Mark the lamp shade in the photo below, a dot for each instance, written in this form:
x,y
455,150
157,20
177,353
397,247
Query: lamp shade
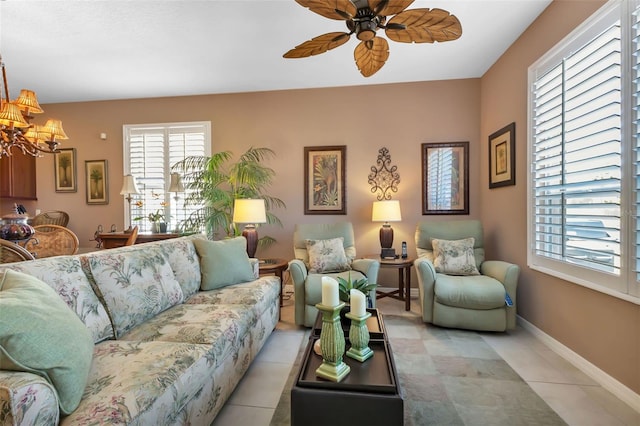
x,y
10,115
129,185
176,183
53,130
386,211
28,102
247,210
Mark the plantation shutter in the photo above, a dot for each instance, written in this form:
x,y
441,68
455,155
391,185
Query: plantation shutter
x,y
576,158
635,203
150,151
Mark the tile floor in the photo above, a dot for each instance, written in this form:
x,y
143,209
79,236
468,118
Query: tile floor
x,y
573,395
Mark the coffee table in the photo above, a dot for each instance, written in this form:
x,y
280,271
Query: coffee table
x,y
370,394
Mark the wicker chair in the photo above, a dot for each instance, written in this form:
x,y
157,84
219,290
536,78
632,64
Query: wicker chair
x,y
52,240
11,252
53,217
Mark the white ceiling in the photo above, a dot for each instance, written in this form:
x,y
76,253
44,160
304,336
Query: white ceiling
x,y
80,50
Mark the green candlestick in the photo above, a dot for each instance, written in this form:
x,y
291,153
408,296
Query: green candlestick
x,y
332,344
359,337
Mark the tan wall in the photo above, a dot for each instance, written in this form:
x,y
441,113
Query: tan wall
x,y
400,117
603,329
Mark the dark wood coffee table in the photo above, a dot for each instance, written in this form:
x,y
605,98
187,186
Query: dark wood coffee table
x,y
370,394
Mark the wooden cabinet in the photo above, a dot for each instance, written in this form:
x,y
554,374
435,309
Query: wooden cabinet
x,y
18,176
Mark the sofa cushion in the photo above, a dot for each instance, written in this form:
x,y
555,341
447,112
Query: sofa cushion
x,y
327,256
259,293
142,383
223,262
184,262
65,275
40,334
135,284
454,257
470,292
221,327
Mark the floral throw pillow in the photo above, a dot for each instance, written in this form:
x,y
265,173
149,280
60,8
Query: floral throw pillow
x,y
327,256
454,257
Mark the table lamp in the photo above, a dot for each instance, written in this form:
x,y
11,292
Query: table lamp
x,y
386,211
129,188
250,211
176,186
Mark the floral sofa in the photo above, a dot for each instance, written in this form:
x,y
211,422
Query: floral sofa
x,y
161,350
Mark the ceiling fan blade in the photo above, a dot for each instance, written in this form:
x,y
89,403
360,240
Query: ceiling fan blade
x,y
388,7
332,9
318,45
371,55
424,26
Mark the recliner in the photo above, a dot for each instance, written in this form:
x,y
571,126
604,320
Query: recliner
x,y
308,286
475,302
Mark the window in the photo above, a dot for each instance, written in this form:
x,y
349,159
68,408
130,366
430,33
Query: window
x,y
149,152
583,150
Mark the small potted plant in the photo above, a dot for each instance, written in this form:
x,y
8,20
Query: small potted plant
x,y
345,286
157,218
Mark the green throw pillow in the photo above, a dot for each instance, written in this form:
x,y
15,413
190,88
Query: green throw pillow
x,y
224,262
41,335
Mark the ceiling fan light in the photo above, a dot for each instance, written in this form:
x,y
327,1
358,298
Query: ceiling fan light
x,y
366,34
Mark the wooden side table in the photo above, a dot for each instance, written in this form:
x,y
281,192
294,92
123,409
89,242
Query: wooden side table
x,y
404,278
276,267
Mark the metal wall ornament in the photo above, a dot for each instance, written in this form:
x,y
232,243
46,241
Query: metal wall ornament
x,y
384,178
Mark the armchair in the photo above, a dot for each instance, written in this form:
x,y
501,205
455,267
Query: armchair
x,y
475,302
307,286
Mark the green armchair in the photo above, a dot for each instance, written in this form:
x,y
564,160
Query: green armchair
x,y
475,302
307,286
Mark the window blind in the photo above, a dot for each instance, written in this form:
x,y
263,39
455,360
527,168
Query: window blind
x,y
150,152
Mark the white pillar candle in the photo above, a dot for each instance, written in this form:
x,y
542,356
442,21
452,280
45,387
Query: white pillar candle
x,y
330,292
358,303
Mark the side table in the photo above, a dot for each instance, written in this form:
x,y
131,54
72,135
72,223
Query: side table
x,y
276,267
404,278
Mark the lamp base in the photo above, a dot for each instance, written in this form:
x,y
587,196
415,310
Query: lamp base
x,y
386,236
251,235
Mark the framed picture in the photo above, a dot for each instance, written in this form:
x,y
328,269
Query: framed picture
x,y
64,167
97,183
445,178
502,157
324,180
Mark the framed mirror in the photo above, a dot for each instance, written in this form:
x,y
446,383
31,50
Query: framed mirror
x,y
445,178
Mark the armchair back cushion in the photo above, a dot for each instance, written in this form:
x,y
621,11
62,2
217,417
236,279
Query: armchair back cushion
x,y
323,231
449,230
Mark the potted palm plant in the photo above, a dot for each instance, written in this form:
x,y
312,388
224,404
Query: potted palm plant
x,y
213,183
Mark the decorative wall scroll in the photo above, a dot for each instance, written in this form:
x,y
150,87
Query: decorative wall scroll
x,y
324,180
384,178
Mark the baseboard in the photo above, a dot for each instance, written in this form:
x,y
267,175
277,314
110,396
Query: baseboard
x,y
621,391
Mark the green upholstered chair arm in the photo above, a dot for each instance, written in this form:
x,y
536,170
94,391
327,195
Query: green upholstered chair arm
x,y
370,268
507,273
298,272
426,274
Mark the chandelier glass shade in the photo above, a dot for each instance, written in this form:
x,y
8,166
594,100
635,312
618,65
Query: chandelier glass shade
x,y
16,130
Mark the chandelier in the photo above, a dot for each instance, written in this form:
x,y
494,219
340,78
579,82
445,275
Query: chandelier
x,y
15,128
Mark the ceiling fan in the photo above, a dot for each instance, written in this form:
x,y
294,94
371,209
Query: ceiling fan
x,y
365,17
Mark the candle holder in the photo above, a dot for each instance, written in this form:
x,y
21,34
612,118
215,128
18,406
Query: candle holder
x,y
359,337
332,344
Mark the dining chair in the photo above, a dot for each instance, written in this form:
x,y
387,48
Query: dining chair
x,y
11,252
52,217
52,240
132,238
